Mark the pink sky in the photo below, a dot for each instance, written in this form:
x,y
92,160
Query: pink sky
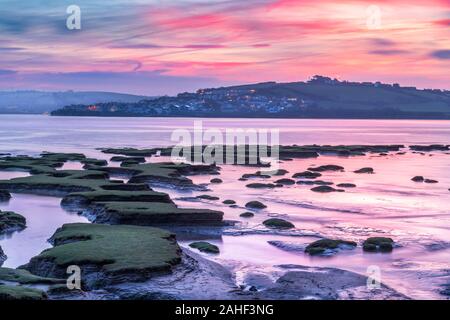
x,y
158,47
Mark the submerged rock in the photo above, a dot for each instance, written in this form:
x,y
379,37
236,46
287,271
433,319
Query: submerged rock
x,y
205,247
4,196
229,201
11,221
261,185
325,189
346,185
418,179
307,175
276,223
328,167
247,214
207,197
255,205
378,244
365,170
285,181
430,181
328,246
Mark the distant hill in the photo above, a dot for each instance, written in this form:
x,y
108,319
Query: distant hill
x,y
40,101
320,97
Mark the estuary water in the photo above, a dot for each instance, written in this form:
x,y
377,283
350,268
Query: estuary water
x,y
387,203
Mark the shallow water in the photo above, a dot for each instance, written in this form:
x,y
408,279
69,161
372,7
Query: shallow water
x,y
386,203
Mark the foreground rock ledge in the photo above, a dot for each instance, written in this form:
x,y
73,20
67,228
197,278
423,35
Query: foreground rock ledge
x,y
108,254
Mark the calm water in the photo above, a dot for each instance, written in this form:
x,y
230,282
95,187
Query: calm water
x,y
387,203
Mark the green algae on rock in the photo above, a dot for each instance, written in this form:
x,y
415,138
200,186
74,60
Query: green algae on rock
x,y
22,276
11,221
378,244
153,213
21,293
108,254
255,205
205,247
328,246
276,223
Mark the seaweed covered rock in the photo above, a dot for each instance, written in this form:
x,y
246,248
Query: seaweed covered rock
x,y
152,213
307,175
328,167
247,214
107,254
285,181
429,148
216,180
430,181
276,223
207,197
325,189
378,244
21,276
84,199
418,179
346,185
255,205
258,185
21,293
328,246
229,201
4,196
11,221
365,170
3,256
205,247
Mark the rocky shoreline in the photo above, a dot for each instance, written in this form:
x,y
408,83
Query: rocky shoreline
x,y
127,251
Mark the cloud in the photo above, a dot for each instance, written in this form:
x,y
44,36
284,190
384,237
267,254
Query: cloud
x,y
441,54
141,82
6,72
392,52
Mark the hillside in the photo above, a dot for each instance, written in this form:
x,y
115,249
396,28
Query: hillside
x,y
41,102
321,97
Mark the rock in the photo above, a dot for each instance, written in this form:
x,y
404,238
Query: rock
x,y
428,148
108,254
205,247
255,205
430,181
329,167
21,293
276,223
4,196
207,197
325,189
261,185
152,214
326,246
418,179
216,180
11,221
279,172
255,175
247,214
346,185
285,181
228,201
307,175
20,276
378,244
3,256
365,170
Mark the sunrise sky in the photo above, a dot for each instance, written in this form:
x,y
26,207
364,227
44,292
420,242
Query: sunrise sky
x,y
165,47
